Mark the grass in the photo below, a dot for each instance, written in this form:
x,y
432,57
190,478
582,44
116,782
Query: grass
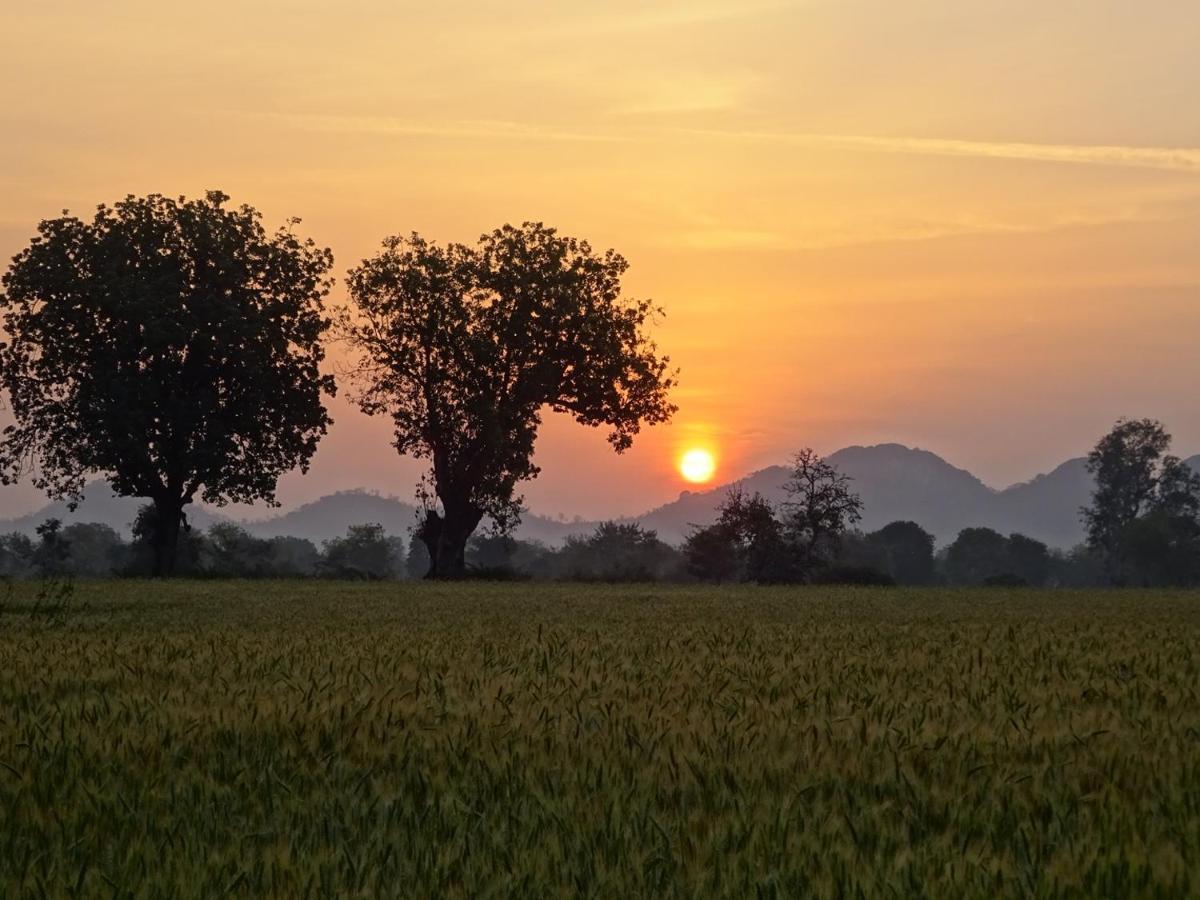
x,y
322,739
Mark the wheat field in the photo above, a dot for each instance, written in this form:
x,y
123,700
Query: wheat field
x,y
308,739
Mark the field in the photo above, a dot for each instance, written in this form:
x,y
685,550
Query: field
x,y
324,739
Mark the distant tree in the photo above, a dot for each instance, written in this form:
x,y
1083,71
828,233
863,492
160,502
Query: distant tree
x,y
1137,477
292,557
714,554
466,347
503,556
618,552
173,347
819,507
416,563
232,552
93,550
1028,559
50,557
16,555
366,552
1162,549
746,543
977,555
907,552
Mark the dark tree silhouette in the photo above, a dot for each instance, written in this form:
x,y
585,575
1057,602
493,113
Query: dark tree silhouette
x,y
820,506
746,543
907,551
978,555
1136,477
173,347
465,347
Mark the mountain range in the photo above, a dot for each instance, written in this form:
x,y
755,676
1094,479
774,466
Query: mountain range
x,y
894,481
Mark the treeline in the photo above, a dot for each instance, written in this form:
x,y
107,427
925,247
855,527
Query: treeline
x,y
901,553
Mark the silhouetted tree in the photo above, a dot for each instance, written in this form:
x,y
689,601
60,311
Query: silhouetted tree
x,y
232,552
976,556
906,552
171,346
1028,559
465,347
819,506
746,543
16,555
366,552
616,552
1135,477
50,557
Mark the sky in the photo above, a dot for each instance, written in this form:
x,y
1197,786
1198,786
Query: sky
x,y
969,227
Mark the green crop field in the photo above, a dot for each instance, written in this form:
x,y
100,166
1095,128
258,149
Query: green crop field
x,y
357,740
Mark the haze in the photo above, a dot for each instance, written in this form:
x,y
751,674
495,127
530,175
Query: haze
x,y
971,227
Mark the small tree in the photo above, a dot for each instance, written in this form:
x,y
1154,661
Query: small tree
x,y
820,506
173,347
1136,477
466,347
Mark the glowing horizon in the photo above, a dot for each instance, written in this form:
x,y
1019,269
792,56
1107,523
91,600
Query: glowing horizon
x,y
970,229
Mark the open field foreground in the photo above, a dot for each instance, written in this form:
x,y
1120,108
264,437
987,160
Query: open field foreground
x,y
325,739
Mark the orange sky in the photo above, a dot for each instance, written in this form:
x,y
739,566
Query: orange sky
x,y
971,227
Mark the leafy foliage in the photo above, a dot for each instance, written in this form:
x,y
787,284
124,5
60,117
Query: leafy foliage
x,y
464,347
1146,506
172,346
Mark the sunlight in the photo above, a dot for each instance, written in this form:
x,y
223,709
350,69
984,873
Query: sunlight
x,y
697,465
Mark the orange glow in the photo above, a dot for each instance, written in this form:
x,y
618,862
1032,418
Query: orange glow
x,y
936,223
697,466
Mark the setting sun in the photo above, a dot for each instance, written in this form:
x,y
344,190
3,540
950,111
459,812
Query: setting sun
x,y
697,466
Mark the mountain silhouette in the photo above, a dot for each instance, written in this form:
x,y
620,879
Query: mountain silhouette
x,y
894,481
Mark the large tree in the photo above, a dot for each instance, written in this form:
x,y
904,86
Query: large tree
x,y
1137,477
170,346
466,347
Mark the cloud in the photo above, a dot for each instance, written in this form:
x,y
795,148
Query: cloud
x,y
471,130
1175,159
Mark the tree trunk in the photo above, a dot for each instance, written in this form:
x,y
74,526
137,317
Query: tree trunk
x,y
446,536
168,513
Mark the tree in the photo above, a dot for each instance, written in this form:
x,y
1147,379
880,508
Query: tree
x,y
746,543
1029,559
977,556
906,550
820,506
366,552
172,346
618,552
1136,477
466,347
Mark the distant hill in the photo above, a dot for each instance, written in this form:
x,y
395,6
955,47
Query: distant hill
x,y
898,482
895,482
99,505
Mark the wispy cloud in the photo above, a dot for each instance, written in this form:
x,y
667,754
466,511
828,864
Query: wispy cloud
x,y
471,130
1175,159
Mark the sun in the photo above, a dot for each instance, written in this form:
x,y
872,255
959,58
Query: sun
x,y
697,465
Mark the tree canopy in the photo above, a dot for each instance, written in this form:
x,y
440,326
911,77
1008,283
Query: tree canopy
x,y
465,347
171,346
1146,503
